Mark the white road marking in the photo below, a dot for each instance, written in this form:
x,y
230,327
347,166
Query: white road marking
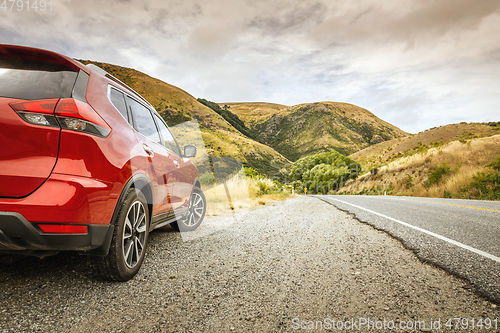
x,y
446,239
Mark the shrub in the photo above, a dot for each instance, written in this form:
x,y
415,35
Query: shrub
x,y
485,186
462,140
252,173
409,182
495,164
324,172
268,186
436,175
263,188
437,144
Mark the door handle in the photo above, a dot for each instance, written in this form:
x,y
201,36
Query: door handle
x,y
148,150
176,164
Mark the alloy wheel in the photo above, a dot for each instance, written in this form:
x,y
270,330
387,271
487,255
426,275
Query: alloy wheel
x,y
134,234
196,210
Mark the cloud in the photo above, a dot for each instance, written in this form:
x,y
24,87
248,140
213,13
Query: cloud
x,y
402,21
415,63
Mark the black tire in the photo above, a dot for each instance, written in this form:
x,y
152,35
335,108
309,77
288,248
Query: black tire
x,y
129,242
196,212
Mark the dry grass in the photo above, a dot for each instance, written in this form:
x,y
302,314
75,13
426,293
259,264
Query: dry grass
x,y
253,112
408,175
384,152
244,194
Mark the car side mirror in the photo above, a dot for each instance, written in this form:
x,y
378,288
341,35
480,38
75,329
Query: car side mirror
x,y
190,151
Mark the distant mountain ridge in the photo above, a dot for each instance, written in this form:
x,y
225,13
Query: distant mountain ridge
x,y
313,128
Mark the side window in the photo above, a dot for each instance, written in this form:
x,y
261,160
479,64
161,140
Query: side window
x,y
168,139
118,100
143,120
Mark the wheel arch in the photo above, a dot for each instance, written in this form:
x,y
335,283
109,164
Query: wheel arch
x,y
141,183
197,182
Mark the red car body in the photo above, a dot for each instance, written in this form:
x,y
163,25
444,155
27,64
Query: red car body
x,y
69,158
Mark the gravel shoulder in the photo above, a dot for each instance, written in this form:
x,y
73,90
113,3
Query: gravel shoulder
x,y
301,258
455,220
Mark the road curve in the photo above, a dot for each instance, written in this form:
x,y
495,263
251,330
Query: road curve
x,y
461,236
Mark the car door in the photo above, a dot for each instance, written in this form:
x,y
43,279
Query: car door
x,y
162,174
184,174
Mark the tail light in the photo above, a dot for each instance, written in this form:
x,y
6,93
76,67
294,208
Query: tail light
x,y
40,112
66,113
78,116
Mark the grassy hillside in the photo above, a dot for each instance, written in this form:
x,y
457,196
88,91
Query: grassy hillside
x,y
457,169
177,106
385,152
256,113
313,128
230,117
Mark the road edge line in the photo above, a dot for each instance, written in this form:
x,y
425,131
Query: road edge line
x,y
443,238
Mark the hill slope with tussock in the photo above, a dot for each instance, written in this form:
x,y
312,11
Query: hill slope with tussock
x,y
458,169
384,152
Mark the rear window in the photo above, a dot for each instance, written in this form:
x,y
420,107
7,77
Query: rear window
x,y
33,79
118,100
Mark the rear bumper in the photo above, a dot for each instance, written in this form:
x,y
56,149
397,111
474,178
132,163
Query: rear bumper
x,y
18,235
67,199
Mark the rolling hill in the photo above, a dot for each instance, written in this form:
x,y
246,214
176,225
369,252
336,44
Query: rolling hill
x,y
312,128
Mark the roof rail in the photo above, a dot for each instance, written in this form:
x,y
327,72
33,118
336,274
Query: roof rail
x,y
111,77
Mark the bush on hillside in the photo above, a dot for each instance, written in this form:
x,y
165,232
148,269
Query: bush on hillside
x,y
252,173
323,173
436,175
495,164
485,185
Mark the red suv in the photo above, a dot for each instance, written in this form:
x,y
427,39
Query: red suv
x,y
86,164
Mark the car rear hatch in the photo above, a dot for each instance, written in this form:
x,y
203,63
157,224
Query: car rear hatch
x,y
32,82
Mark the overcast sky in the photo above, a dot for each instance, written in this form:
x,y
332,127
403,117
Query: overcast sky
x,y
414,63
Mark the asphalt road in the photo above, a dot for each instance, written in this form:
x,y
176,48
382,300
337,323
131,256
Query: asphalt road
x,y
461,236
